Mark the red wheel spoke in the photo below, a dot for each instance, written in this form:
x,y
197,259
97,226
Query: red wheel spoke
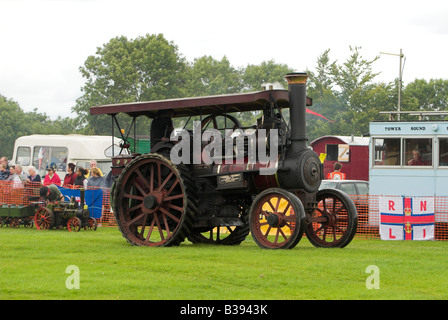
x,y
158,227
151,180
267,232
159,173
172,206
151,227
179,196
139,206
271,205
172,187
142,179
137,218
132,196
165,181
137,185
166,212
167,227
286,209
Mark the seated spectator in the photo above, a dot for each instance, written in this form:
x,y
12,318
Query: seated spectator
x,y
70,176
21,176
18,179
95,179
4,172
51,177
5,161
80,180
33,175
93,164
12,172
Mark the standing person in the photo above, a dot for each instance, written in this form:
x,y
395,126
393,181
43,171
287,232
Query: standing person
x,y
33,175
51,177
336,174
80,180
69,178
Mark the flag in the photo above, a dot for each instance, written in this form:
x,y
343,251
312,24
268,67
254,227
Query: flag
x,y
317,114
407,218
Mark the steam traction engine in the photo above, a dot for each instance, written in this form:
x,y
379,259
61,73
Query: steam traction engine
x,y
159,203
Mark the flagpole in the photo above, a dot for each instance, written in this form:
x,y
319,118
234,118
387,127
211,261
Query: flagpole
x,y
400,78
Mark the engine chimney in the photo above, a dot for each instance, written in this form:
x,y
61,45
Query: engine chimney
x,y
297,110
301,168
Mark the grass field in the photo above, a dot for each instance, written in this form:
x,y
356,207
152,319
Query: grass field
x,y
33,266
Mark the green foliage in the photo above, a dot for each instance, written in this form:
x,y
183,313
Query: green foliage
x,y
142,69
267,72
207,76
14,123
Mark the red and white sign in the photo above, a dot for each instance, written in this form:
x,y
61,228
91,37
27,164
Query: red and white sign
x,y
406,218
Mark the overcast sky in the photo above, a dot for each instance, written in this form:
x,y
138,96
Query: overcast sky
x,y
44,42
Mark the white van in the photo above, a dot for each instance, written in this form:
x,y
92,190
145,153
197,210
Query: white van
x,y
42,151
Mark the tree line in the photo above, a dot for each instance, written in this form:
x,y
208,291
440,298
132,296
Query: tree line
x,y
152,68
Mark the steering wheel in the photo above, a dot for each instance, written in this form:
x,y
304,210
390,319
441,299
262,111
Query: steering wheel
x,y
220,121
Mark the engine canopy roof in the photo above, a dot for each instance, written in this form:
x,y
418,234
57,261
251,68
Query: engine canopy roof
x,y
196,106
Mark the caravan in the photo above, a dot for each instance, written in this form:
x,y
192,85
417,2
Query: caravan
x,y
42,151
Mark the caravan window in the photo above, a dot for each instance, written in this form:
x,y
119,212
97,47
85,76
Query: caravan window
x,y
23,156
44,156
337,152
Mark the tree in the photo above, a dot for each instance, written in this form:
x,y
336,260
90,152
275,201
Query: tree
x,y
267,72
346,94
353,75
12,125
207,76
144,69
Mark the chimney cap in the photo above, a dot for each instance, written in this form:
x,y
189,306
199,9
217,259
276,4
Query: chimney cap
x,y
296,77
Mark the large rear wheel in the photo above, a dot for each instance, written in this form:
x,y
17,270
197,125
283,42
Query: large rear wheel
x,y
154,201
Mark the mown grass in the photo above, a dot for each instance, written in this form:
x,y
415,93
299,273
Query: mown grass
x,y
33,265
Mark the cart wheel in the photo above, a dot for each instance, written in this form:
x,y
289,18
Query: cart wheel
x,y
44,219
92,224
15,223
154,201
28,223
74,224
272,222
334,222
